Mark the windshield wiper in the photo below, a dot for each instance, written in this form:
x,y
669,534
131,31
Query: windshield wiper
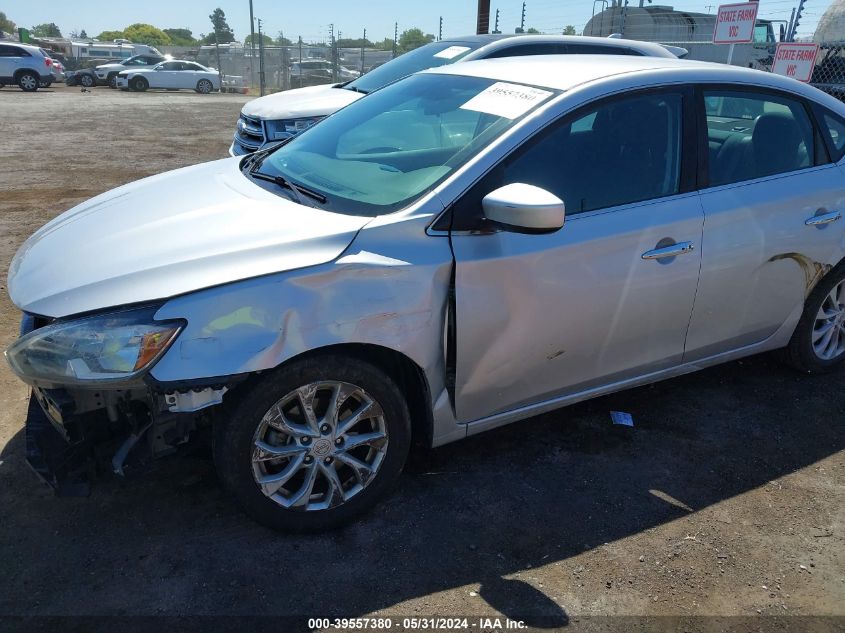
x,y
356,89
284,183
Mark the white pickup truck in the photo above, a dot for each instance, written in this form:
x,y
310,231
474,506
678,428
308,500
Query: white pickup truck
x,y
273,118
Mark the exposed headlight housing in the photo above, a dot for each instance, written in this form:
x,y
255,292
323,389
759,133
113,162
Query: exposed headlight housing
x,y
282,129
96,349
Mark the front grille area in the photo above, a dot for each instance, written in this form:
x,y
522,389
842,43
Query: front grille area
x,y
249,135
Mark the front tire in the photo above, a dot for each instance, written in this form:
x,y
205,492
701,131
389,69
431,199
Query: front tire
x,y
113,81
818,343
204,86
87,80
28,81
314,444
139,84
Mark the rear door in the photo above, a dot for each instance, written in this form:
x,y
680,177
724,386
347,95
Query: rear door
x,y
773,209
606,298
165,76
6,63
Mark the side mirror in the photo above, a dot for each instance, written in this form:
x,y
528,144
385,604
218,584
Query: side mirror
x,y
524,208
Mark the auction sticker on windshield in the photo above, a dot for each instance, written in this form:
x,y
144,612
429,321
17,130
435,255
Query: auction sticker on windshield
x,y
451,52
506,100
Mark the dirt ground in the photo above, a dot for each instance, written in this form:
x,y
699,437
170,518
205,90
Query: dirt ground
x,y
727,498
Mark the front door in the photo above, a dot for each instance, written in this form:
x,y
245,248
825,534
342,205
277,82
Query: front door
x,y
605,298
772,212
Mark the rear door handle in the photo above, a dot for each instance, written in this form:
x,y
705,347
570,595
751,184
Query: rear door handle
x,y
673,250
824,218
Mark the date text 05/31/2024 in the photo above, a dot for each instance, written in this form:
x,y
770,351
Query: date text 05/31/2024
x,y
481,624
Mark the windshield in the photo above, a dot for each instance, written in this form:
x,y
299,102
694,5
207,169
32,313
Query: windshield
x,y
428,56
381,153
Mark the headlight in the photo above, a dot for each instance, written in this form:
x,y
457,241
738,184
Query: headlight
x,y
279,130
106,347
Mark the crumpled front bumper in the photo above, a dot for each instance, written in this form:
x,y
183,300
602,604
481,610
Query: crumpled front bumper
x,y
59,457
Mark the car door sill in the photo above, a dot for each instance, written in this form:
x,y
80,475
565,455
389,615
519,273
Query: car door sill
x,y
775,341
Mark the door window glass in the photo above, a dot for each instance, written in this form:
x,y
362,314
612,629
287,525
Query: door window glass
x,y
753,135
620,152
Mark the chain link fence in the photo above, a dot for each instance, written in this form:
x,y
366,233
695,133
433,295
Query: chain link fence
x,y
285,67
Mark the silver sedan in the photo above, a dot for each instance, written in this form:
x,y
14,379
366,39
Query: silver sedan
x,y
465,248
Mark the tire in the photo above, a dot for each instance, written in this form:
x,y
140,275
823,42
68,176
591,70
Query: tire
x,y
113,81
139,84
321,506
807,351
28,81
45,83
204,86
87,80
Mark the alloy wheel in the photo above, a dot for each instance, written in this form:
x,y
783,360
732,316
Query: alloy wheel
x,y
28,82
319,446
829,326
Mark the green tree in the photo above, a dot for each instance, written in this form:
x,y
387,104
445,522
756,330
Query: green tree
x,y
386,44
266,39
532,31
109,36
281,40
357,43
83,35
147,34
6,25
180,37
413,38
569,30
46,30
222,33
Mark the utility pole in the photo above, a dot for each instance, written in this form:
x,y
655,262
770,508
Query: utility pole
x,y
300,62
482,25
395,38
624,18
261,83
794,30
521,28
363,46
440,31
496,30
333,43
252,45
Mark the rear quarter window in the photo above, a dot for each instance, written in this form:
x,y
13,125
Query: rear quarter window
x,y
833,130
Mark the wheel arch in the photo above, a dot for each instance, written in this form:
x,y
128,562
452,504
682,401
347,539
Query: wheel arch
x,y
408,375
21,71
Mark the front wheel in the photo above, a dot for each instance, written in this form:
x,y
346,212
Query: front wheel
x,y
28,81
204,86
87,80
139,84
818,343
113,81
314,444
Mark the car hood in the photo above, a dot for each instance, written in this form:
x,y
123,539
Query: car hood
x,y
167,235
111,67
301,102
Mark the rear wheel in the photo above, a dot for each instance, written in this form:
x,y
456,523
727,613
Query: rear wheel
x,y
204,86
113,80
314,444
87,80
139,84
28,81
818,343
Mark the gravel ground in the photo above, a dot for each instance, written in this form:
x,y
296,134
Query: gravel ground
x,y
727,498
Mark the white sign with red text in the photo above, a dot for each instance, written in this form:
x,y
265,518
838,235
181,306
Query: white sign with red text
x,y
735,23
796,60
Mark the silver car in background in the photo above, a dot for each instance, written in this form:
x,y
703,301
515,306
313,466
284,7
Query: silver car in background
x,y
465,248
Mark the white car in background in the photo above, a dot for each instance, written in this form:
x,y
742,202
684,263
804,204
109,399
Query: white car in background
x,y
107,73
171,75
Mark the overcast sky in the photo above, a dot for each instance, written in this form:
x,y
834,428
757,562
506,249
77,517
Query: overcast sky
x,y
349,16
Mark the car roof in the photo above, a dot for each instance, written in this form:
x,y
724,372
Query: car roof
x,y
564,72
508,41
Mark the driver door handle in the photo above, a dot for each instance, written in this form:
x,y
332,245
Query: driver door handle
x,y
824,218
673,250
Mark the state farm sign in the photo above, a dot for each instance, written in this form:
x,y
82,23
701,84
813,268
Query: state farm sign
x,y
796,60
735,23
